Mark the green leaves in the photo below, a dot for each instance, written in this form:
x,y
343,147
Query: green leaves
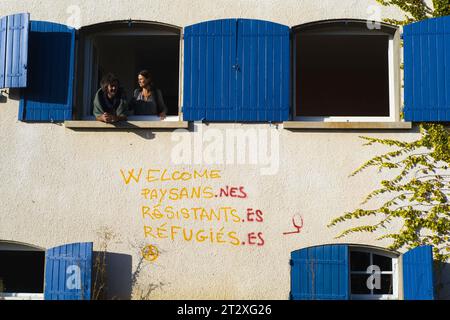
x,y
415,10
441,8
418,194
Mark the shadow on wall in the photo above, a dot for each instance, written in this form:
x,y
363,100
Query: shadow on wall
x,y
119,269
118,276
442,281
9,94
14,94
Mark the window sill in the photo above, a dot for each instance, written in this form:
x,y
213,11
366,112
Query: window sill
x,y
293,125
127,125
21,296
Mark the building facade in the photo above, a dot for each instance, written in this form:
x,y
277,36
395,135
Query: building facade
x,y
230,196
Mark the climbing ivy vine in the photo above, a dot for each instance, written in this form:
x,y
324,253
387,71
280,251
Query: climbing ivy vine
x,y
418,194
416,10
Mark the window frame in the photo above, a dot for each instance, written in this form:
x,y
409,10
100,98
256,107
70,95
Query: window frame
x,y
395,274
393,65
83,61
21,296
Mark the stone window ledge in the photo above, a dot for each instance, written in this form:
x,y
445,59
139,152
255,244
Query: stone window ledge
x,y
296,125
128,125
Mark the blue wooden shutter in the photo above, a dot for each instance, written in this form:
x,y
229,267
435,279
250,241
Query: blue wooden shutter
x,y
68,272
418,274
3,24
17,29
236,70
320,273
48,96
209,55
263,82
427,77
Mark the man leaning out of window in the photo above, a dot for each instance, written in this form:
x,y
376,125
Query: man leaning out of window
x,y
110,103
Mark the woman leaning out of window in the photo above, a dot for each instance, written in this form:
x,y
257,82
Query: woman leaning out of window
x,y
147,99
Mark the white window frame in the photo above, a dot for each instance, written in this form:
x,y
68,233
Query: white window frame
x,y
393,94
21,296
394,272
88,56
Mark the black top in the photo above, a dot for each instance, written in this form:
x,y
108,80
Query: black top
x,y
154,105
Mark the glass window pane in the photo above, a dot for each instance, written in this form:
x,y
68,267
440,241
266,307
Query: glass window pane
x,y
359,284
359,261
386,285
385,263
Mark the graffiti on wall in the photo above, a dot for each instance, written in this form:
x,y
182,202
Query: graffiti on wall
x,y
150,253
297,225
166,197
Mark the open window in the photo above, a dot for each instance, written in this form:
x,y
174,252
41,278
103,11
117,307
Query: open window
x,y
21,272
373,274
124,48
346,271
346,70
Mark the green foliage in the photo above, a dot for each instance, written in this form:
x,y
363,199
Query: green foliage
x,y
418,193
441,8
416,10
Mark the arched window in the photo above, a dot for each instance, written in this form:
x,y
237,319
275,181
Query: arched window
x,y
346,70
353,271
21,271
124,48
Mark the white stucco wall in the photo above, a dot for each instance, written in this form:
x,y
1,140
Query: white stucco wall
x,y
61,186
185,12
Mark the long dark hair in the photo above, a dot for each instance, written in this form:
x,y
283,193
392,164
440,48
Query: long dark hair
x,y
147,75
107,80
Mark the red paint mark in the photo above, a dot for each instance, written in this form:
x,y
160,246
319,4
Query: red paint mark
x,y
256,238
233,192
254,216
296,226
